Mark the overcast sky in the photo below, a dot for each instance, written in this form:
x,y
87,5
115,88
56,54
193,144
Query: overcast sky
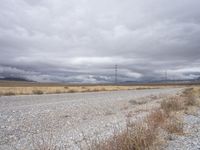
x,y
82,40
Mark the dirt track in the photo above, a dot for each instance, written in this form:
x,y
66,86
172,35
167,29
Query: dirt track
x,y
65,119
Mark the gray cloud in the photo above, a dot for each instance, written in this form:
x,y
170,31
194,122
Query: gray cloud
x,y
81,41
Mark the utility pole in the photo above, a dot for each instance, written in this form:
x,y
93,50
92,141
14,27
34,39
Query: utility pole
x,y
116,67
166,78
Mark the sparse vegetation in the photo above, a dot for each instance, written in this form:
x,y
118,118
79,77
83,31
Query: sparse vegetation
x,y
71,91
145,134
95,90
157,118
8,93
174,125
38,92
23,88
66,87
174,103
190,99
144,88
58,92
137,136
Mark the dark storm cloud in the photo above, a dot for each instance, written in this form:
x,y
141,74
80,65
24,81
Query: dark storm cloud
x,y
82,40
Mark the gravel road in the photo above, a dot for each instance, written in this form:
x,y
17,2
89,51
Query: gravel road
x,y
64,120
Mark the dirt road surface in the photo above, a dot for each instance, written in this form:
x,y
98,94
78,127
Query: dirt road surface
x,y
67,121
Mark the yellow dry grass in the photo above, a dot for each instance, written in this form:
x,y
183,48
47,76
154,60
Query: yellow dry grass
x,y
62,89
196,92
26,88
193,96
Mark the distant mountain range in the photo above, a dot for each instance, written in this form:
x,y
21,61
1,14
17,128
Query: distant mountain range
x,y
197,80
15,79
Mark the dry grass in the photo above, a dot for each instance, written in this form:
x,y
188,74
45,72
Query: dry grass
x,y
175,103
29,88
190,97
171,124
157,118
137,136
188,101
145,88
196,93
192,110
174,125
9,93
71,91
143,134
58,92
192,100
37,92
66,87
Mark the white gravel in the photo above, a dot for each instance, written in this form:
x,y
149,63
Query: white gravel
x,y
65,119
191,139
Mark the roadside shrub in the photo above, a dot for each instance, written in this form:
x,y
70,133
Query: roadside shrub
x,y
143,136
71,91
141,88
157,118
83,87
38,92
103,89
174,125
138,135
58,92
8,93
66,87
174,103
95,90
86,90
190,99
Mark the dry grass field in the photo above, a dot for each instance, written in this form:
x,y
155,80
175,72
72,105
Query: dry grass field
x,y
8,88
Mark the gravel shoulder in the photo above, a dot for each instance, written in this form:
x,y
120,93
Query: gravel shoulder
x,y
191,139
66,119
